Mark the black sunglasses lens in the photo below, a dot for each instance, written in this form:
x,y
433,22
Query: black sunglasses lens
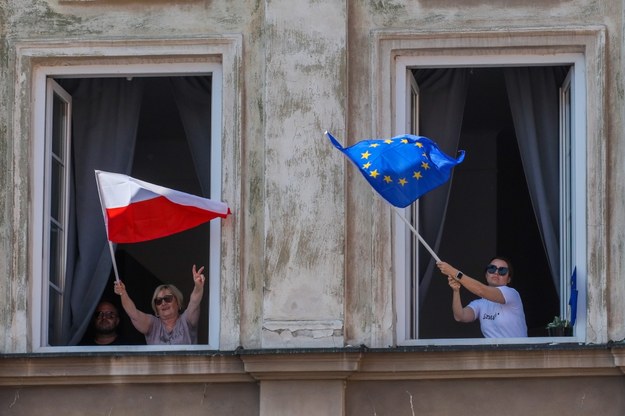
x,y
166,298
492,269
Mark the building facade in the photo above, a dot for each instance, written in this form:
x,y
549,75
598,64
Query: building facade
x,y
319,299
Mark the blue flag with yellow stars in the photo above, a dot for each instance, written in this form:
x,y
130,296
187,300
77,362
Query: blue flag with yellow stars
x,y
403,168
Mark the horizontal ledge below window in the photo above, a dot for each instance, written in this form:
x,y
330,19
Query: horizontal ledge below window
x,y
350,364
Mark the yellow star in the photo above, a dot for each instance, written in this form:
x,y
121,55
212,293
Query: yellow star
x,y
388,179
418,144
374,144
388,141
374,173
417,175
425,165
403,181
404,141
365,155
366,165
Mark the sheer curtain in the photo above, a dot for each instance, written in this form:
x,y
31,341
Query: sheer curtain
x,y
534,102
105,118
105,122
193,99
442,97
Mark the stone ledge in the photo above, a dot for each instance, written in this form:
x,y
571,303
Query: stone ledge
x,y
350,364
102,368
327,366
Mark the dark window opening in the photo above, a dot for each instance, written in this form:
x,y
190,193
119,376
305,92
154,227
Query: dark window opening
x,y
489,213
162,155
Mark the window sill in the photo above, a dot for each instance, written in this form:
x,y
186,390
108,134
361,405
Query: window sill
x,y
350,364
477,342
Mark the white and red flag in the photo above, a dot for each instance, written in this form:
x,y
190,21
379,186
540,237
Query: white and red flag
x,y
136,211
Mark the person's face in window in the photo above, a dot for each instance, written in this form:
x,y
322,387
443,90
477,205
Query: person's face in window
x,y
497,273
106,318
166,304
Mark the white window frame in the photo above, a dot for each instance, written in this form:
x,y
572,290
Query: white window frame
x,y
55,90
219,56
578,170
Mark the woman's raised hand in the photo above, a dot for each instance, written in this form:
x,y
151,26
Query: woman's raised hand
x,y
198,276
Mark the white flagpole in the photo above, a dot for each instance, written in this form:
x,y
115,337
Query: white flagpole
x,y
415,232
114,262
97,179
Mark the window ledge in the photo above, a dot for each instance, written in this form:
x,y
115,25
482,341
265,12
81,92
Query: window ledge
x,y
351,364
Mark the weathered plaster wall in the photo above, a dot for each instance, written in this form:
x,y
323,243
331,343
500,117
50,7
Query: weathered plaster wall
x,y
7,288
554,396
368,280
314,265
310,245
13,231
70,22
288,229
305,92
218,399
616,177
308,397
253,186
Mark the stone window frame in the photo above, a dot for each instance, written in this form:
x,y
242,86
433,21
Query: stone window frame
x,y
388,46
36,57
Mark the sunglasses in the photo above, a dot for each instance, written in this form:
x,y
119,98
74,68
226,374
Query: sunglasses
x,y
166,298
107,315
492,269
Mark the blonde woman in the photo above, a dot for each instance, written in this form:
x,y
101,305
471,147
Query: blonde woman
x,y
169,324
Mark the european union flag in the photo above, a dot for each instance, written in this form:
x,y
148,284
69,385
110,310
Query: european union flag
x,y
403,168
573,297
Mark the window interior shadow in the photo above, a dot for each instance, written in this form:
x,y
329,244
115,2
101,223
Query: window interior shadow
x,y
489,213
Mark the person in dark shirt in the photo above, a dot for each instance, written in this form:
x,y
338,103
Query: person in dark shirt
x,y
105,325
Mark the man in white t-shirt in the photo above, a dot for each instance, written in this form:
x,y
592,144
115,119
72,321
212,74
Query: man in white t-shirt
x,y
499,308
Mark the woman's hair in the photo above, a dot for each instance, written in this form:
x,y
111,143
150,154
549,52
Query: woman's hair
x,y
174,291
510,268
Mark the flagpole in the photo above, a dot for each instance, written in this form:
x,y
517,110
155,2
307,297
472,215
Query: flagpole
x,y
112,251
415,232
114,262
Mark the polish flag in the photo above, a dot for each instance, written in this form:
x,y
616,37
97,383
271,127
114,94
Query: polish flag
x,y
136,211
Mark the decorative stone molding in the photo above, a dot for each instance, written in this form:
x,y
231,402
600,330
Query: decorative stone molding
x,y
390,46
349,364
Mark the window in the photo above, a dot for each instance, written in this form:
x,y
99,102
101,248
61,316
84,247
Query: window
x,y
519,193
56,212
157,122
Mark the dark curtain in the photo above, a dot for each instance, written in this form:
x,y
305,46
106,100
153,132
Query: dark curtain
x,y
105,118
533,93
442,98
193,99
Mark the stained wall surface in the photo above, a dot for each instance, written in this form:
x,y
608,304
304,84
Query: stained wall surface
x,y
307,257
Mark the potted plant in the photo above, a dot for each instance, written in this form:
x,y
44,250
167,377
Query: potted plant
x,y
559,327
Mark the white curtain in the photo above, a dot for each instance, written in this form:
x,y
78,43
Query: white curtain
x,y
534,102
